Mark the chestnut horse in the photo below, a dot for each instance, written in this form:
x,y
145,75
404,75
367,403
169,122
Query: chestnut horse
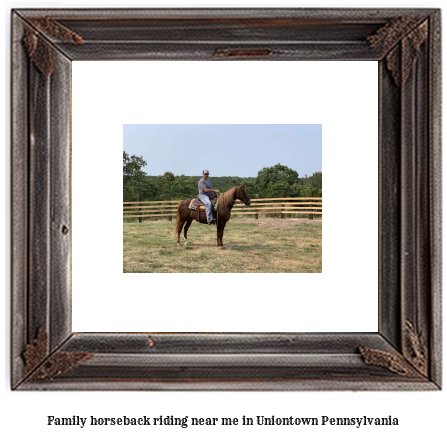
x,y
226,202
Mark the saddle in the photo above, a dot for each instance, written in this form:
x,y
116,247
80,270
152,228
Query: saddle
x,y
198,206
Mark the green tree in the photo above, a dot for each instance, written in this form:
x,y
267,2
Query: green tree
x,y
149,190
132,166
315,180
134,178
235,181
165,185
183,187
306,190
273,181
312,185
250,185
193,189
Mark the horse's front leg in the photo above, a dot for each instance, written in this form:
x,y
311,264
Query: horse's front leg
x,y
219,236
220,232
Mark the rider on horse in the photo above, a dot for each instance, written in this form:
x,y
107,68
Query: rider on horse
x,y
205,191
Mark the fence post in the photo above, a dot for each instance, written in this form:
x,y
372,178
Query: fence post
x,y
169,208
256,215
311,216
140,219
282,205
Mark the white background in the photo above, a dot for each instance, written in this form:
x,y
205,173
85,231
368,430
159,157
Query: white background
x,y
107,95
420,414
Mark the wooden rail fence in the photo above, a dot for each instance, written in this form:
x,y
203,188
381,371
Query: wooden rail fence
x,y
259,206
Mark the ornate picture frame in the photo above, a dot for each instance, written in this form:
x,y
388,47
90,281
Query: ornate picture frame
x,y
405,353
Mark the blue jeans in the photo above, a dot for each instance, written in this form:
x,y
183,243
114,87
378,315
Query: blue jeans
x,y
207,203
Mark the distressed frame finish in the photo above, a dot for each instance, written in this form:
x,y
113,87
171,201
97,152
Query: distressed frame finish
x,y
405,354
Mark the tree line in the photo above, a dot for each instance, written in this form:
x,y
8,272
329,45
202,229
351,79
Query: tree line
x,y
271,182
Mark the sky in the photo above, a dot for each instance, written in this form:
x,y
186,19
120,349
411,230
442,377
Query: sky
x,y
225,150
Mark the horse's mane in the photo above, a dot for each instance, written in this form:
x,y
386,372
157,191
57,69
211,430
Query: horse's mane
x,y
226,198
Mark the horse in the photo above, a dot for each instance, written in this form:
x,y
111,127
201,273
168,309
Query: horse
x,y
226,202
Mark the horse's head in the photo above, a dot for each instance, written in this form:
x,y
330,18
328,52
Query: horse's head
x,y
241,195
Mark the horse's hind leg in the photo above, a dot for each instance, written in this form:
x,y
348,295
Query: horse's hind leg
x,y
188,223
180,226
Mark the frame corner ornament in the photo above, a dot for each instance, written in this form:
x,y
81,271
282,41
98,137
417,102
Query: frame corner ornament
x,y
394,362
416,348
39,49
41,366
401,40
59,364
36,351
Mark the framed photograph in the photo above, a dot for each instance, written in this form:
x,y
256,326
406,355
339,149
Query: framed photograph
x,y
261,174
183,343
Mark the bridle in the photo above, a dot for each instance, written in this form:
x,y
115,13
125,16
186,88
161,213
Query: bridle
x,y
234,198
246,197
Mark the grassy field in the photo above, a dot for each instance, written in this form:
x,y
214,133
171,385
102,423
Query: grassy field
x,y
264,245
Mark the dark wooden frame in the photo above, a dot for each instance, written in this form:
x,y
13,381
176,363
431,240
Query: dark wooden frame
x,y
405,354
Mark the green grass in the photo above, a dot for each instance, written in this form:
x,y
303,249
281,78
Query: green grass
x,y
264,245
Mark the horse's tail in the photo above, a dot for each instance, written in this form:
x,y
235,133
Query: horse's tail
x,y
177,222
